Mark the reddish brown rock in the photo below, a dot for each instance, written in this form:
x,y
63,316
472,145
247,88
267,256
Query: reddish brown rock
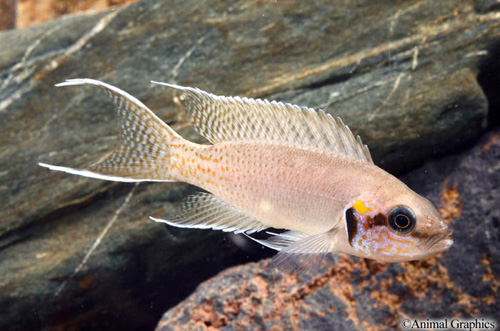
x,y
31,12
23,13
7,14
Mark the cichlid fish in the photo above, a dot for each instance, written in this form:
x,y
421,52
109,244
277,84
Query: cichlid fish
x,y
273,165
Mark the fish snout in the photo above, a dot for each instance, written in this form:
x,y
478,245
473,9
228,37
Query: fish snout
x,y
441,241
447,240
447,231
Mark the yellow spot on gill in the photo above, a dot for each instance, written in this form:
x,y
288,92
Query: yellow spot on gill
x,y
360,207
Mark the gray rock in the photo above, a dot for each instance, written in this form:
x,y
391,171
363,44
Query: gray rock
x,y
351,293
402,75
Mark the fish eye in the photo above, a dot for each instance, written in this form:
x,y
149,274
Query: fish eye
x,y
402,220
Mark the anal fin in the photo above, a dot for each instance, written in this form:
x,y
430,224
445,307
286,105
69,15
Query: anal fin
x,y
206,211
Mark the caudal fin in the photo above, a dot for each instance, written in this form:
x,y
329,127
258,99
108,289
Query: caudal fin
x,y
143,153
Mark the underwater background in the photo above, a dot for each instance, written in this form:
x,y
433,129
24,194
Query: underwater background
x,y
418,80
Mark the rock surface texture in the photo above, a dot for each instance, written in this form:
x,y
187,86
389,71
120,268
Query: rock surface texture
x,y
82,253
350,293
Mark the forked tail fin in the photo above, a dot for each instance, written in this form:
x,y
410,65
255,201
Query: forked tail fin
x,y
144,150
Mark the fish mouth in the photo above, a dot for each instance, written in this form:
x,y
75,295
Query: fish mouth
x,y
439,242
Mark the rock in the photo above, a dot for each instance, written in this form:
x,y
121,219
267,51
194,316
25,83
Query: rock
x,y
351,293
82,253
7,14
23,13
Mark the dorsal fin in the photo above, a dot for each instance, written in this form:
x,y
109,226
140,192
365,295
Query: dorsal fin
x,y
220,119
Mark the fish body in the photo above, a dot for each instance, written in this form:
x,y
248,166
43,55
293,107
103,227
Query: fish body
x,y
275,182
273,165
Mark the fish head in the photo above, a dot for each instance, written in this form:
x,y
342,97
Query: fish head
x,y
407,228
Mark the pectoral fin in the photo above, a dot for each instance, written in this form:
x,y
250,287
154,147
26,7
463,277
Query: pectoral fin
x,y
299,253
279,241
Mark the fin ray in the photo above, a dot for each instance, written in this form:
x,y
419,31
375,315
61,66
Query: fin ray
x,y
96,175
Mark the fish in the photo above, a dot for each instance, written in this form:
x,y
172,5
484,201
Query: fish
x,y
297,175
